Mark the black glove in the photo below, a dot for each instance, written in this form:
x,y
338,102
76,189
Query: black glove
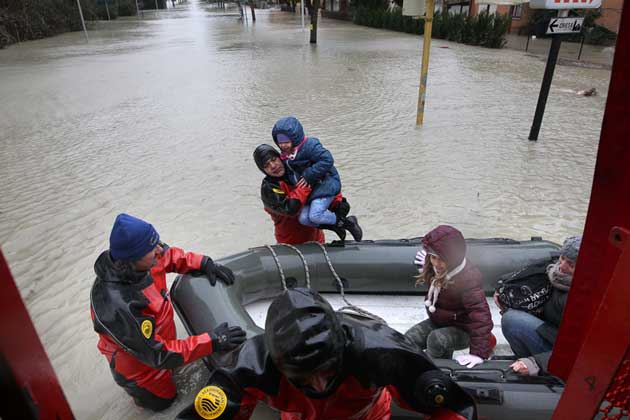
x,y
214,271
226,338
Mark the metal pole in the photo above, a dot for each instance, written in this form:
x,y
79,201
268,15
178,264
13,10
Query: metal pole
x,y
156,5
83,21
546,83
314,16
138,9
107,9
302,12
581,46
527,43
428,26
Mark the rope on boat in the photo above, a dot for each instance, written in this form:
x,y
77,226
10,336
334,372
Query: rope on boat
x,y
281,271
304,263
349,306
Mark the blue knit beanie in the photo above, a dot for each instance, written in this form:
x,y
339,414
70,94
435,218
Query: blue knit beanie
x,y
131,238
571,248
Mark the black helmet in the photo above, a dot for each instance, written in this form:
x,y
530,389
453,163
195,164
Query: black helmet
x,y
263,154
304,336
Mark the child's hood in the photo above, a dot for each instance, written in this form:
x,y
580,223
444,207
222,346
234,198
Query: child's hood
x,y
289,126
448,243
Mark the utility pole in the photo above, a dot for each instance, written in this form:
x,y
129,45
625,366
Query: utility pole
x,y
251,6
426,48
138,9
83,21
314,13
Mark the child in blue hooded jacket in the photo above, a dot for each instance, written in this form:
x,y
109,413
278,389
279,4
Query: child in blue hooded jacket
x,y
309,162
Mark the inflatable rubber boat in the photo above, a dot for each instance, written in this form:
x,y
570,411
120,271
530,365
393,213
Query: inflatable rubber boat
x,y
382,267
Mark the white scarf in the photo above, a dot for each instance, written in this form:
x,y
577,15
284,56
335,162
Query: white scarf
x,y
434,291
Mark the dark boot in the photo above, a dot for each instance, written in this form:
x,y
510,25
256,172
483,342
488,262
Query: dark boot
x,y
340,231
352,226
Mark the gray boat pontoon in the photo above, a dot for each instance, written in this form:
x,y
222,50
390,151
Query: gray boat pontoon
x,y
382,267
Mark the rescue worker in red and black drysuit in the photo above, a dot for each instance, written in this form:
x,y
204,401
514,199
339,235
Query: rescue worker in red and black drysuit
x,y
133,315
283,201
312,363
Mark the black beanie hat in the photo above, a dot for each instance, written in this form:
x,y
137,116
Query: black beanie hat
x,y
263,154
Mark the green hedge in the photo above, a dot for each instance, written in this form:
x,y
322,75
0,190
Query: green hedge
x,y
22,20
600,35
483,29
394,21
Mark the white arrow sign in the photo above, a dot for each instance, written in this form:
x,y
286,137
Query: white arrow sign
x,y
565,25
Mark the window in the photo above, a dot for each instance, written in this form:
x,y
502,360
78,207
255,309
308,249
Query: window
x,y
517,11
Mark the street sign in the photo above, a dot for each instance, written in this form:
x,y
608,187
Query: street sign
x,y
565,4
565,25
414,8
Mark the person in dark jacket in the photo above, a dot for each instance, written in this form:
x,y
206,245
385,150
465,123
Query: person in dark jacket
x,y
459,315
313,363
307,159
283,201
133,315
530,337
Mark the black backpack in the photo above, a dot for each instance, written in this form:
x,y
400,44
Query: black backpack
x,y
527,289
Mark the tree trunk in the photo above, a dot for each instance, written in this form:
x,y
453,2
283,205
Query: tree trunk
x,y
251,6
314,12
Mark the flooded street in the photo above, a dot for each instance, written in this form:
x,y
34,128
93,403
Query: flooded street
x,y
159,117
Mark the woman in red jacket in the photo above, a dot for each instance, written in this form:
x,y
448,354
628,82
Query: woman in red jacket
x,y
459,315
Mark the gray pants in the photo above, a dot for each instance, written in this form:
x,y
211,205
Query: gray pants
x,y
440,343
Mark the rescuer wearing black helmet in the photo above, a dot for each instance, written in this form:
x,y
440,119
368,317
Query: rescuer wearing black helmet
x,y
313,363
306,342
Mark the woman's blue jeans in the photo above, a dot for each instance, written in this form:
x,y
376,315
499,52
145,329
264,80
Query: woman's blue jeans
x,y
519,329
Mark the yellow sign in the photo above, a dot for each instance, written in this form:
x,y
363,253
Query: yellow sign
x,y
147,328
210,402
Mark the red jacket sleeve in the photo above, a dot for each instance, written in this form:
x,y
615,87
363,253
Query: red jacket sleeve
x,y
142,341
300,193
191,348
175,260
279,198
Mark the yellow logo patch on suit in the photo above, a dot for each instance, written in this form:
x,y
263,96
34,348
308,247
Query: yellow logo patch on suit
x,y
147,328
210,402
